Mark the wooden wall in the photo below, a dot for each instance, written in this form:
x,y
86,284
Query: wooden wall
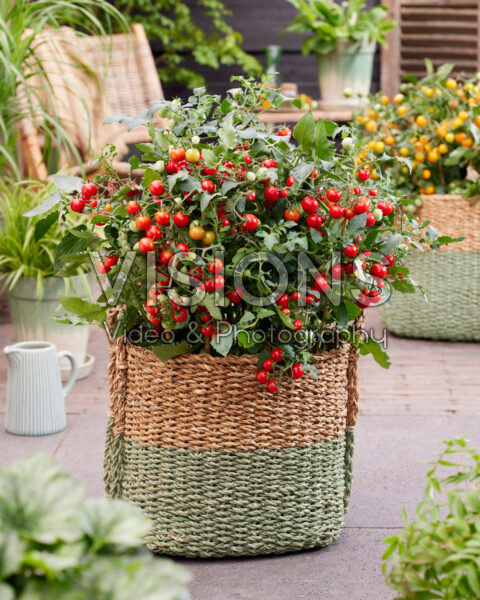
x,y
260,22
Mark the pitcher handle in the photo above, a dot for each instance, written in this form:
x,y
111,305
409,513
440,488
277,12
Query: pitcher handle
x,y
73,375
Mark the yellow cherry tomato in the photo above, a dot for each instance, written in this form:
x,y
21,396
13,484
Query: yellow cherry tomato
x,y
192,155
433,156
467,143
196,232
463,115
398,98
424,139
443,148
371,126
451,84
450,137
426,173
379,147
208,238
421,120
419,156
107,207
404,151
429,189
390,140
402,110
428,92
384,99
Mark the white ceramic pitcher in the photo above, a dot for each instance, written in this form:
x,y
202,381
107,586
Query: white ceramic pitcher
x,y
35,397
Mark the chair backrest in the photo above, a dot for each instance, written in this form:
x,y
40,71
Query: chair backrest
x,y
126,66
446,31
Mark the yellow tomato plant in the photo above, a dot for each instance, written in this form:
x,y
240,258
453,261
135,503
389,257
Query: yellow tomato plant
x,y
431,130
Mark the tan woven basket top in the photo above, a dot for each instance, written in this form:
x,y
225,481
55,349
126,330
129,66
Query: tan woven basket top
x,y
455,216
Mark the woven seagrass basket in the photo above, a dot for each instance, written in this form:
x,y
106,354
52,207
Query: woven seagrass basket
x,y
450,276
223,467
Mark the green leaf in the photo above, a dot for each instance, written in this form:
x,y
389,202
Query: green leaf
x,y
88,311
287,321
45,206
209,157
371,346
42,226
227,134
223,341
322,149
71,244
247,319
165,352
66,184
209,303
304,132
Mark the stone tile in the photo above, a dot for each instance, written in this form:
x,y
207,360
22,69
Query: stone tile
x,y
390,463
14,447
348,569
81,451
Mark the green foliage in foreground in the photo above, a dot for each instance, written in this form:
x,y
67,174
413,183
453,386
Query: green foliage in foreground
x,y
438,554
57,545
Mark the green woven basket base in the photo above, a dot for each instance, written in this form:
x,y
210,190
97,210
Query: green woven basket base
x,y
214,503
452,282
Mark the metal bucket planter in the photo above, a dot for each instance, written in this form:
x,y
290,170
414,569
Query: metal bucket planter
x,y
349,66
223,467
450,276
33,316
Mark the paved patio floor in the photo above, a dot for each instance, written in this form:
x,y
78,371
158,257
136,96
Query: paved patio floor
x,y
430,393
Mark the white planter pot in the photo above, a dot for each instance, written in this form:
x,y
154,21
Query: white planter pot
x,y
33,318
350,66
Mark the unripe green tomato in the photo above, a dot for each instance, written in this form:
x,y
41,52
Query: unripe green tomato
x,y
192,255
136,248
159,166
347,92
236,93
411,208
178,200
378,214
250,176
168,324
347,143
261,173
195,140
132,226
162,299
403,247
418,202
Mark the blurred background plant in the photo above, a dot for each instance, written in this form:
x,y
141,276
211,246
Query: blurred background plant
x,y
212,43
328,22
56,544
438,554
25,81
434,124
27,247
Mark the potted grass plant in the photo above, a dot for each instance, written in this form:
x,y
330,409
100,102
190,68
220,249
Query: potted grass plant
x,y
235,276
343,38
433,127
27,251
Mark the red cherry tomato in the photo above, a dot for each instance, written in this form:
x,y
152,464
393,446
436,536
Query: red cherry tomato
x,y
180,219
133,208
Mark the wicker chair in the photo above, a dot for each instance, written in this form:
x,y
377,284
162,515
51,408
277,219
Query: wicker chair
x,y
127,68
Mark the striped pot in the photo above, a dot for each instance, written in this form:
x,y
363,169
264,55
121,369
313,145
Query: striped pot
x,y
223,467
450,277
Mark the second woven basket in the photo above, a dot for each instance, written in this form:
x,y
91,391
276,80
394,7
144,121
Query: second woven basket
x,y
450,276
223,467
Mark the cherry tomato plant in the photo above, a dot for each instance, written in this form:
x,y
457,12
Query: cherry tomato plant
x,y
431,131
259,241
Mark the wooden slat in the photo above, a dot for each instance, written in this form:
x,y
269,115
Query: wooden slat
x,y
442,3
445,40
447,54
459,14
